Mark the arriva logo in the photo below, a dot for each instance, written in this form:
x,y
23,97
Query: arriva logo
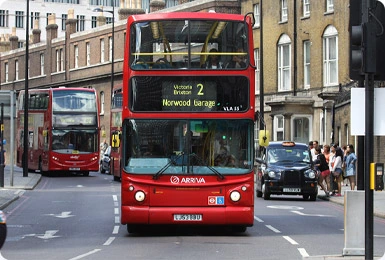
x,y
74,157
176,180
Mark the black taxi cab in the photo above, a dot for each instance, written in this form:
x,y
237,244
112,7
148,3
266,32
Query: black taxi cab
x,y
286,167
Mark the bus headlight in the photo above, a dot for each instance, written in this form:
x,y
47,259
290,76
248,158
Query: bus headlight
x,y
140,196
235,196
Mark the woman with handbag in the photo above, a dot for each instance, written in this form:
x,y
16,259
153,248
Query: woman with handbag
x,y
350,166
335,166
322,168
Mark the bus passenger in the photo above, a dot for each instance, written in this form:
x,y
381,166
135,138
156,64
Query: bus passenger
x,y
238,61
213,61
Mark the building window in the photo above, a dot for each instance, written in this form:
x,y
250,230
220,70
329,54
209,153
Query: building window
x,y
16,70
330,56
279,124
284,63
110,48
63,1
306,64
41,64
48,14
329,6
63,21
59,60
34,16
4,18
19,19
257,15
80,23
94,22
306,8
101,50
102,102
283,10
6,71
257,71
301,128
76,56
88,53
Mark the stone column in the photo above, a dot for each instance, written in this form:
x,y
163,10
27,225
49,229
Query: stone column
x,y
287,126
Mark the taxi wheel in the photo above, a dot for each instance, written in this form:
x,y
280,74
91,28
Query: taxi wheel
x,y
313,197
3,234
266,194
305,196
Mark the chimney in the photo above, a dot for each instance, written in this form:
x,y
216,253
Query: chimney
x,y
36,32
51,28
14,39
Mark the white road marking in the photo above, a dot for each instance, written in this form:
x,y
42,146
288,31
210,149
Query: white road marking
x,y
310,215
109,241
86,254
291,241
49,234
273,229
284,207
117,220
258,219
116,211
303,252
115,198
116,230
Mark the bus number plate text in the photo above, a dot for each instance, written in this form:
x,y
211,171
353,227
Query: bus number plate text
x,y
187,217
74,169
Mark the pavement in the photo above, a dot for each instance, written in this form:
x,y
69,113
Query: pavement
x,y
15,185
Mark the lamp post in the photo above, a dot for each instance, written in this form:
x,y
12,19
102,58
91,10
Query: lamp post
x,y
112,44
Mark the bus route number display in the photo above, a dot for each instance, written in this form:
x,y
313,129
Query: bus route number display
x,y
189,96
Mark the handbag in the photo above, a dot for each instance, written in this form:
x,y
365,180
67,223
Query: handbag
x,y
337,172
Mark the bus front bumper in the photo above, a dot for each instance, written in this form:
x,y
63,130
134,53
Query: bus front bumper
x,y
188,215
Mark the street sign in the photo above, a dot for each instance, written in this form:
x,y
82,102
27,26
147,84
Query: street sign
x,y
5,98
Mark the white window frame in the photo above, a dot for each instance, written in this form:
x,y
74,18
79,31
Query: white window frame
x,y
6,69
16,70
110,48
306,64
310,130
41,63
279,127
88,53
329,6
257,71
330,56
306,8
102,50
284,11
284,63
102,100
76,56
257,15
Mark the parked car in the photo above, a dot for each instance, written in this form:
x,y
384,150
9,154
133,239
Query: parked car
x,y
3,228
286,168
105,161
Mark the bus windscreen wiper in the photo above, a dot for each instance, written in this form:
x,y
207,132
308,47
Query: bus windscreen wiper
x,y
161,171
220,175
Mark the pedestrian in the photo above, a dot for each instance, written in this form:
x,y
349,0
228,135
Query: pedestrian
x,y
326,153
103,147
312,150
335,166
321,166
350,166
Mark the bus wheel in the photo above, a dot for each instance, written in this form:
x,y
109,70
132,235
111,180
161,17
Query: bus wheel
x,y
86,173
132,228
116,178
259,193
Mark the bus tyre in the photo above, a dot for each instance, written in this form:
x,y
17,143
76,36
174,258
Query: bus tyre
x,y
259,193
132,228
239,229
86,173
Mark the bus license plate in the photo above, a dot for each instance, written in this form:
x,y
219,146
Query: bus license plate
x,y
74,169
291,189
187,217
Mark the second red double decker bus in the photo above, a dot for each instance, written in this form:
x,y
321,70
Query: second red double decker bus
x,y
188,120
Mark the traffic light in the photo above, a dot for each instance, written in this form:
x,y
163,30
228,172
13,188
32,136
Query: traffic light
x,y
356,40
366,41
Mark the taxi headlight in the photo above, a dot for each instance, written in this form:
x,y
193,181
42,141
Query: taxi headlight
x,y
140,196
235,196
310,174
273,174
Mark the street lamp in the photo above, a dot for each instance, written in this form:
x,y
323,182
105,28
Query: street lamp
x,y
112,43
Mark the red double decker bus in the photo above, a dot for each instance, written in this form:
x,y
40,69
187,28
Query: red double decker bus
x,y
63,130
116,131
188,120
